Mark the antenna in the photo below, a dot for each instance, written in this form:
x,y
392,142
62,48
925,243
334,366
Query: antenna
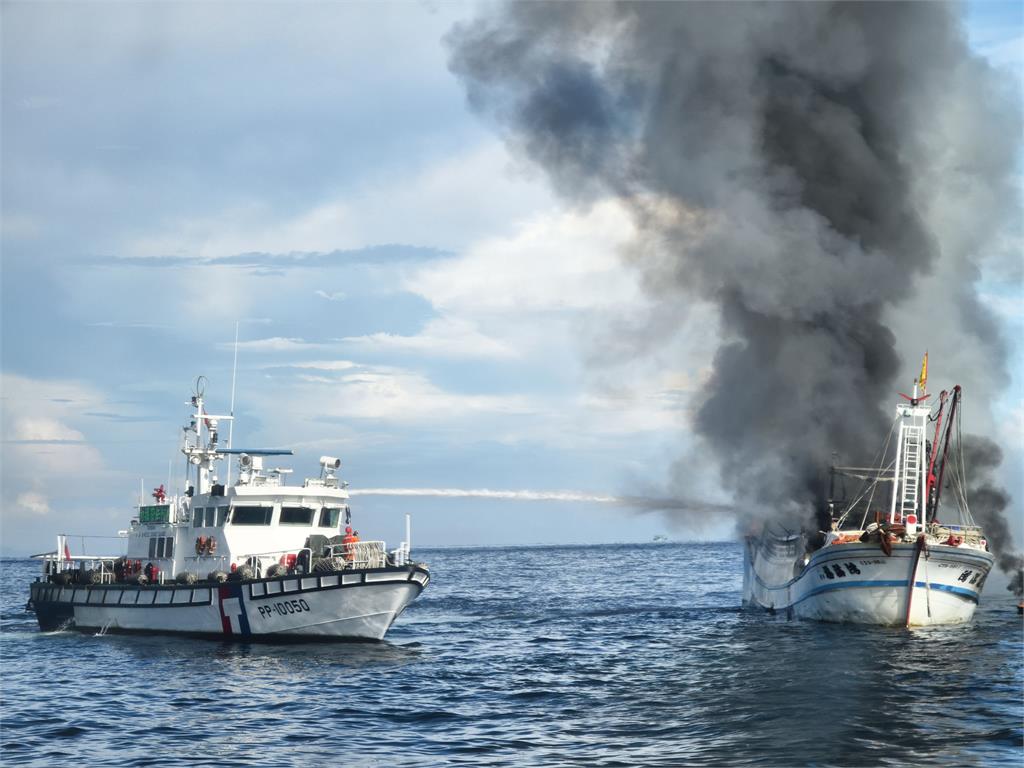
x,y
231,426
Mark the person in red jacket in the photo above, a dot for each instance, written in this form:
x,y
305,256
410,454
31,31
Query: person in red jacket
x,y
350,544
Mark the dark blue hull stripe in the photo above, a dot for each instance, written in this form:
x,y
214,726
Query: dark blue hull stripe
x,y
243,618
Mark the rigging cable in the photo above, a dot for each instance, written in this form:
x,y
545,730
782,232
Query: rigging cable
x,y
879,457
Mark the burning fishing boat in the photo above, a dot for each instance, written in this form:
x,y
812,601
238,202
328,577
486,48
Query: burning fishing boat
x,y
257,559
896,553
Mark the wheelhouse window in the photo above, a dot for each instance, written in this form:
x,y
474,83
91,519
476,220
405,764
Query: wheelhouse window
x,y
152,547
211,513
296,516
329,517
222,516
251,515
197,517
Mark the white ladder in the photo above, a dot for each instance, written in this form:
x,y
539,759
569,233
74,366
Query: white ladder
x,y
910,471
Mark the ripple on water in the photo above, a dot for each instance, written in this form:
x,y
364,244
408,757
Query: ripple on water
x,y
588,656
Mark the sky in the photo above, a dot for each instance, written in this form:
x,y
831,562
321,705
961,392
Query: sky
x,y
408,295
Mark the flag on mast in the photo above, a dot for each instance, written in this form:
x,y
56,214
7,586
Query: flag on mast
x,y
67,552
924,373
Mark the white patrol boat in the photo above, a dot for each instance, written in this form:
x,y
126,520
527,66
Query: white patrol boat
x,y
259,559
901,567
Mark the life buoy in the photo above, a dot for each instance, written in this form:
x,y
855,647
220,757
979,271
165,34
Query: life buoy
x,y
211,545
200,545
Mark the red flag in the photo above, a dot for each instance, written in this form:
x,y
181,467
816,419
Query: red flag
x,y
67,552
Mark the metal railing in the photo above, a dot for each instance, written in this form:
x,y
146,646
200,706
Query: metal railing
x,y
360,554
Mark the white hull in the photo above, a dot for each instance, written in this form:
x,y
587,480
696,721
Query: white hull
x,y
357,605
859,583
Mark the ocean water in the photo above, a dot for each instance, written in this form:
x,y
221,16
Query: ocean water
x,y
631,655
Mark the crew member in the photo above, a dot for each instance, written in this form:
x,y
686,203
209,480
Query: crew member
x,y
349,540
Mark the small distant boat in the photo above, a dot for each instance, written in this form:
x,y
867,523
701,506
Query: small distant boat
x,y
900,567
259,559
660,538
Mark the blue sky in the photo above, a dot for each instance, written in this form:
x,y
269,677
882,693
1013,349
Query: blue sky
x,y
409,297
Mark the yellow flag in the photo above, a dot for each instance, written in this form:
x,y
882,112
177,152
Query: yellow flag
x,y
923,381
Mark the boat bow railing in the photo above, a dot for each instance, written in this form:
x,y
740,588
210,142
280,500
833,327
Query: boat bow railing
x,y
360,554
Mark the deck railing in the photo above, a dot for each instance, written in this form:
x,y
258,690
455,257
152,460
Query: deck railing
x,y
360,554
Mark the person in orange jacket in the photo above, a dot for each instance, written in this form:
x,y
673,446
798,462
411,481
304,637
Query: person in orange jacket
x,y
350,544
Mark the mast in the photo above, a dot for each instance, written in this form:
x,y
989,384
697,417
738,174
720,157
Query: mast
x,y
929,496
950,420
832,486
231,424
202,456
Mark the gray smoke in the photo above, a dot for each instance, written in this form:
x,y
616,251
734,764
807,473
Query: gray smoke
x,y
778,159
980,457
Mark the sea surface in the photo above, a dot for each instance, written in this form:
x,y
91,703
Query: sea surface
x,y
628,655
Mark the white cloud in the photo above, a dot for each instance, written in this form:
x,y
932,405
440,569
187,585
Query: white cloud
x,y
528,297
38,438
335,296
274,344
443,337
43,428
340,390
1009,306
560,260
410,397
326,365
33,503
440,205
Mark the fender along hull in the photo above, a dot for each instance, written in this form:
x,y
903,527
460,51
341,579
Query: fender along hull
x,y
858,583
345,605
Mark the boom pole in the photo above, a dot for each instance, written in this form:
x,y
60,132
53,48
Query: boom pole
x,y
929,493
945,448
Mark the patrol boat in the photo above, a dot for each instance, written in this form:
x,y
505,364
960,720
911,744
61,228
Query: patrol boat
x,y
257,559
897,567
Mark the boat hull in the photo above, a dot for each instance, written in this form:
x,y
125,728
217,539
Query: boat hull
x,y
344,605
859,583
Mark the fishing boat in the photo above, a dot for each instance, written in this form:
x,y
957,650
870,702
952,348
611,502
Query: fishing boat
x,y
255,559
893,554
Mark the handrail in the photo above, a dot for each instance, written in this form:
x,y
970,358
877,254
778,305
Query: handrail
x,y
359,554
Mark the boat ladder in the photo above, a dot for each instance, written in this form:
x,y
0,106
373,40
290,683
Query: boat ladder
x,y
910,471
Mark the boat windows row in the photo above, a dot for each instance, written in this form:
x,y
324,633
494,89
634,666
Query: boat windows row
x,y
161,546
263,514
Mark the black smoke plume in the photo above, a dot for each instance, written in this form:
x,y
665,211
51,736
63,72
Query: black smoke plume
x,y
777,159
980,457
